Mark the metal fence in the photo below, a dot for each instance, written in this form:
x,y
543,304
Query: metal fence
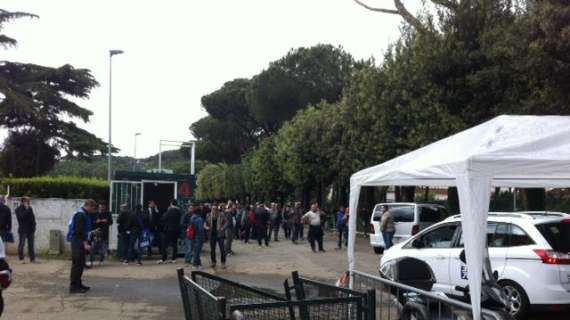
x,y
349,308
390,298
208,297
234,293
199,303
304,288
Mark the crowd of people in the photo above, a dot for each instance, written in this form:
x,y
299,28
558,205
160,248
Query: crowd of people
x,y
148,230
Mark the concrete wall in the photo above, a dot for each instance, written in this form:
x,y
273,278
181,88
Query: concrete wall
x,y
51,214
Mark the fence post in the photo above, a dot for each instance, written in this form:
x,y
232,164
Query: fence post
x,y
300,293
184,294
222,308
288,297
371,304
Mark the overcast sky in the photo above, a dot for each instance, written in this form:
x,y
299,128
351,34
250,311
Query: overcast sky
x,y
178,50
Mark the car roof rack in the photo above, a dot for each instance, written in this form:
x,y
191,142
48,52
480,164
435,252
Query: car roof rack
x,y
521,214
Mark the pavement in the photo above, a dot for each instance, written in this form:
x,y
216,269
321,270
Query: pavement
x,y
150,291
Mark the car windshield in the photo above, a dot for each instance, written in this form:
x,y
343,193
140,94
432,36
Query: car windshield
x,y
557,234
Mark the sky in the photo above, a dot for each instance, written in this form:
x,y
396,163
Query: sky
x,y
176,51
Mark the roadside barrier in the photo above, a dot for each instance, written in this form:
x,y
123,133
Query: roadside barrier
x,y
421,305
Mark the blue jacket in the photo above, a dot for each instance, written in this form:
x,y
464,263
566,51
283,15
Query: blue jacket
x,y
340,219
198,223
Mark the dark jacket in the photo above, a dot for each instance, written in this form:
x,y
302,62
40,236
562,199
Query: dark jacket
x,y
155,223
26,220
198,222
171,220
123,221
104,226
135,223
261,217
81,227
5,218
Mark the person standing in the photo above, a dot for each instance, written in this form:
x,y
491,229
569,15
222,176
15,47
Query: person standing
x,y
261,223
103,221
194,237
215,225
297,223
155,226
5,221
249,228
288,222
26,229
135,228
123,235
190,235
79,245
341,225
387,227
275,220
313,217
230,214
171,224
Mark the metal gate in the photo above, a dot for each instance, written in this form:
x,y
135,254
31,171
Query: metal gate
x,y
122,192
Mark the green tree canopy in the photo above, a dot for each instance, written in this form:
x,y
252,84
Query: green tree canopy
x,y
37,102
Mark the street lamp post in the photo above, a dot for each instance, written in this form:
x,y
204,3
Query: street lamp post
x,y
135,153
110,146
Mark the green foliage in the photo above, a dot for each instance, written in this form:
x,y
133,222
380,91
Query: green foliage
x,y
328,116
57,187
219,182
39,102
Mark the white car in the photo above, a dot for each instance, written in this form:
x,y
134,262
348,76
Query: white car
x,y
529,252
409,218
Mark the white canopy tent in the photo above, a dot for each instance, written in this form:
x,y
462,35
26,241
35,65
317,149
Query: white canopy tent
x,y
507,151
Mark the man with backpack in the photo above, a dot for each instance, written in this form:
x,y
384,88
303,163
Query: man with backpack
x,y
194,237
78,230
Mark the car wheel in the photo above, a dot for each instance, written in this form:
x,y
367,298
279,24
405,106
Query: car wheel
x,y
518,298
378,250
414,311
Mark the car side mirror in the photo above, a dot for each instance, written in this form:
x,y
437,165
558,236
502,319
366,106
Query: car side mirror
x,y
462,256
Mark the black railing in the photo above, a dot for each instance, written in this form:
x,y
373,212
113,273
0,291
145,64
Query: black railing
x,y
396,301
198,303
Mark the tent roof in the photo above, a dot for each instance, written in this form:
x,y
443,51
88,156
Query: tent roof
x,y
515,151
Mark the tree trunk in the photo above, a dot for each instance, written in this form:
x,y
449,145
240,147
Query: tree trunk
x,y
408,194
533,199
452,200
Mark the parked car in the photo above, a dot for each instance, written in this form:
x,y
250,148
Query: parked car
x,y
529,253
409,218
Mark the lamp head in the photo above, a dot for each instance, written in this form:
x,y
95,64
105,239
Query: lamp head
x,y
114,52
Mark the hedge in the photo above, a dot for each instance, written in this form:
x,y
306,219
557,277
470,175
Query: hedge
x,y
56,187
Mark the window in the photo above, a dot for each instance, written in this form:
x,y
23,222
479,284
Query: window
x,y
503,235
519,237
400,213
557,234
497,235
403,214
441,237
432,214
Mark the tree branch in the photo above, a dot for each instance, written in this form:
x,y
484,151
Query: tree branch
x,y
362,4
401,11
450,4
410,18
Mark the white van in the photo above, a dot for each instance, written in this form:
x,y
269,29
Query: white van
x,y
409,218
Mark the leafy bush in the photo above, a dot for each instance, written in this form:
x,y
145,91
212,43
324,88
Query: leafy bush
x,y
56,187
